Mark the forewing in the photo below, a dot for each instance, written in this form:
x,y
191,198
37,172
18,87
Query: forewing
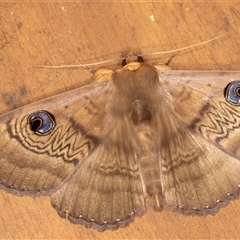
x,y
32,163
197,99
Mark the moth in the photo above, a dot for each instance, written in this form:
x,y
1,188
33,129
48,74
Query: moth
x,y
140,131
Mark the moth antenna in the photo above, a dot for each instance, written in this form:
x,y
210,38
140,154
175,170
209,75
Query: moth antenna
x,y
86,67
183,48
81,65
171,58
124,59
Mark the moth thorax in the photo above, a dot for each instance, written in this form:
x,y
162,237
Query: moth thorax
x,y
140,113
102,75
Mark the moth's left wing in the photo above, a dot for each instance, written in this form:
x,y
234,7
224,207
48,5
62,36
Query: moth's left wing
x,y
43,142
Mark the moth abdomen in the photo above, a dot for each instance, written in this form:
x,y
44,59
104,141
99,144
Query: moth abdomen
x,y
151,175
149,163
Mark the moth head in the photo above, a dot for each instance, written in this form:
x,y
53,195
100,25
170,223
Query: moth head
x,y
131,57
132,62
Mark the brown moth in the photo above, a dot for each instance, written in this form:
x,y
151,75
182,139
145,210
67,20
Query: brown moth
x,y
141,131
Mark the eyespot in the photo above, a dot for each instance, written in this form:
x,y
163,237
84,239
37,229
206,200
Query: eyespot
x,y
232,93
41,122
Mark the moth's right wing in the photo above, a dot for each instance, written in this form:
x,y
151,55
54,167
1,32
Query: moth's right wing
x,y
201,162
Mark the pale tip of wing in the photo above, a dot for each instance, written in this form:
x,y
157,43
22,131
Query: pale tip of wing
x,y
239,185
92,220
229,194
118,220
194,208
180,206
218,201
132,213
105,221
80,216
207,207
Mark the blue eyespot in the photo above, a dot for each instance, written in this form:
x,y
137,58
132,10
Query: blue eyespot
x,y
41,122
232,93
